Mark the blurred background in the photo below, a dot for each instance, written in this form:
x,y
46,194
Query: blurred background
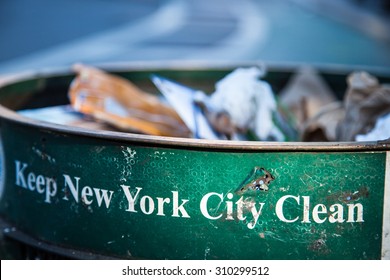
x,y
47,34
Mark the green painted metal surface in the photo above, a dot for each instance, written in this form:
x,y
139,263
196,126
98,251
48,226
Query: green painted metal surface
x,y
130,200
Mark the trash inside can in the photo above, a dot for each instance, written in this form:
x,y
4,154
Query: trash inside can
x,y
92,192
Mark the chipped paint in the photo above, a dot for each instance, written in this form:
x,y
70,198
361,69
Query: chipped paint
x,y
130,156
43,155
258,180
99,149
206,252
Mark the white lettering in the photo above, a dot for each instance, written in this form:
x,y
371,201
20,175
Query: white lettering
x,y
20,179
319,212
179,208
150,205
31,181
240,207
51,189
213,205
130,199
306,209
74,190
160,205
279,208
229,207
319,209
338,213
86,192
351,213
256,214
102,194
204,208
40,182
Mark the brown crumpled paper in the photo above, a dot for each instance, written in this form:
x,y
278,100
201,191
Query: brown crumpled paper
x,y
323,126
366,100
321,118
307,96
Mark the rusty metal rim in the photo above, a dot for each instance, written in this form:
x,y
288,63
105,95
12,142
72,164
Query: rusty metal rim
x,y
186,143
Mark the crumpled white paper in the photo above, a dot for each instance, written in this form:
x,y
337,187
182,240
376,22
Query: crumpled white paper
x,y
381,131
249,101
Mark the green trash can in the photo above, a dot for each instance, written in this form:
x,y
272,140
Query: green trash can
x,y
84,193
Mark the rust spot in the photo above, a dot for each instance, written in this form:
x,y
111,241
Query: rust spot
x,y
319,246
349,196
353,196
259,183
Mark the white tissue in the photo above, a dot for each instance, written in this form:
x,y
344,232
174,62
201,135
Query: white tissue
x,y
381,131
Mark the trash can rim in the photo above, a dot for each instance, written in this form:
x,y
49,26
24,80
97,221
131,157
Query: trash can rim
x,y
189,143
